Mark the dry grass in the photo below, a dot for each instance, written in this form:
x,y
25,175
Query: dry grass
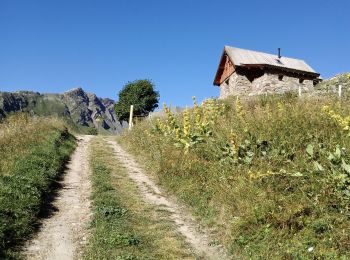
x,y
19,132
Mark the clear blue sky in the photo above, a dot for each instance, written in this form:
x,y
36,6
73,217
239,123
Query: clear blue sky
x,y
52,46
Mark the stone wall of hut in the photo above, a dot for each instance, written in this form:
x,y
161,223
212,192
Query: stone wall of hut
x,y
238,84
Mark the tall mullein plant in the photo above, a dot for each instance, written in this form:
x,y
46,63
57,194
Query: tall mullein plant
x,y
194,126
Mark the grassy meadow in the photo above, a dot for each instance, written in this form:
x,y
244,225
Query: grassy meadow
x,y
270,174
33,152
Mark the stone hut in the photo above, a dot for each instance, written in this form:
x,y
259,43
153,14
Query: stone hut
x,y
246,72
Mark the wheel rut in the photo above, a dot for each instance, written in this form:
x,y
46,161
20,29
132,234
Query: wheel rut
x,y
184,222
62,236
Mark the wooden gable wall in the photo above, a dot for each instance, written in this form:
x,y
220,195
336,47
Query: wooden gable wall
x,y
225,69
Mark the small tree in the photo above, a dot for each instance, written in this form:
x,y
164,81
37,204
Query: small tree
x,y
139,93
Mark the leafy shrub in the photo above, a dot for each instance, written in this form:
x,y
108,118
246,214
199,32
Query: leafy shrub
x,y
139,93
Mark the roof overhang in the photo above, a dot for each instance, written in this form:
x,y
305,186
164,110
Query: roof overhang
x,y
300,73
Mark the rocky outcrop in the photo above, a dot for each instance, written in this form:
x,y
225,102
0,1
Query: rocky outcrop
x,y
82,108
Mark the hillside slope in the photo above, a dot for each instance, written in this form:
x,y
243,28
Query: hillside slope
x,y
81,108
332,83
270,175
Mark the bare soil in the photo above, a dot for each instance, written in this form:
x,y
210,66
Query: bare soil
x,y
186,225
63,234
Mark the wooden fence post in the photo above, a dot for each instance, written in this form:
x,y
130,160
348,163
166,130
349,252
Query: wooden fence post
x,y
131,124
299,91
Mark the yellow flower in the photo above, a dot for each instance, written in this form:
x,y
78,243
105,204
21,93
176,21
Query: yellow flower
x,y
161,126
222,108
197,113
233,142
280,107
239,108
186,122
343,122
171,122
177,133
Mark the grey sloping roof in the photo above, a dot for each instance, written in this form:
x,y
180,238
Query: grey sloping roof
x,y
241,57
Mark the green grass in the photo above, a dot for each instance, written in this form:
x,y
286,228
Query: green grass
x,y
272,178
34,152
49,107
123,225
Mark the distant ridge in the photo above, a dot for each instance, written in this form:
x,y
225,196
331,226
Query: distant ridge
x,y
84,110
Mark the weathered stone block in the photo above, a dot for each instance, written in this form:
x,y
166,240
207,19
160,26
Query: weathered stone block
x,y
238,84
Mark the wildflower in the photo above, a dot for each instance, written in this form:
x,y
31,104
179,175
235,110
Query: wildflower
x,y
239,108
343,122
186,122
206,116
233,142
147,133
222,108
177,133
160,126
325,108
171,123
280,107
197,113
268,111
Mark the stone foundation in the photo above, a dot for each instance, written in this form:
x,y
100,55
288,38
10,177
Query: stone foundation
x,y
238,84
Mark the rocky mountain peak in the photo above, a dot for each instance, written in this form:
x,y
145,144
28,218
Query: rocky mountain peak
x,y
84,109
75,91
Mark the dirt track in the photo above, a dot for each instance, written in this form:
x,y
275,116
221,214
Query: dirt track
x,y
62,235
184,222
